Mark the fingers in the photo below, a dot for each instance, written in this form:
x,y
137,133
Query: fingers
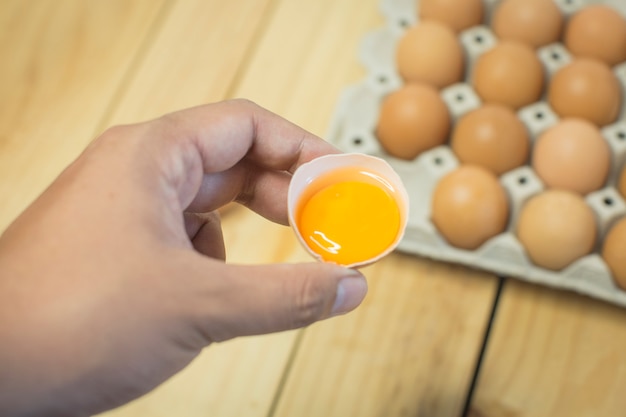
x,y
225,132
250,300
266,194
263,191
244,151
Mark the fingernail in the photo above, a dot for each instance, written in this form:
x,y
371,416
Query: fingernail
x,y
350,292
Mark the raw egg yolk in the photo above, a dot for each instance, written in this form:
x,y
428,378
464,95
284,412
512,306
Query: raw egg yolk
x,y
349,222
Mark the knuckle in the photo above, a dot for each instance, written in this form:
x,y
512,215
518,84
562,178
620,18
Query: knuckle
x,y
168,120
121,134
115,132
243,102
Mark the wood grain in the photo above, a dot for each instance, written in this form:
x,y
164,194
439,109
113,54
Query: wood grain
x,y
410,350
62,62
553,353
196,57
305,58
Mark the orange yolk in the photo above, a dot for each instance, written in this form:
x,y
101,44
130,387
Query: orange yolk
x,y
349,222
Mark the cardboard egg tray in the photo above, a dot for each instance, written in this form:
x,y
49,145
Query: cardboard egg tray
x,y
356,116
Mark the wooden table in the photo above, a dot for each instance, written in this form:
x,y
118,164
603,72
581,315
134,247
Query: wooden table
x,y
430,339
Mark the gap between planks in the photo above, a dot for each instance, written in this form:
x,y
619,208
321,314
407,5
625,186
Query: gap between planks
x,y
284,378
481,354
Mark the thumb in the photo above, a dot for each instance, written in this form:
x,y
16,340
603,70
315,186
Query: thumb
x,y
249,300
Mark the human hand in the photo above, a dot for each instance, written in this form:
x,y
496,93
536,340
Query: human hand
x,y
114,280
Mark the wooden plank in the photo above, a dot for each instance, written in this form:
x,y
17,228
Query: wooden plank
x,y
553,353
410,350
62,62
195,58
306,57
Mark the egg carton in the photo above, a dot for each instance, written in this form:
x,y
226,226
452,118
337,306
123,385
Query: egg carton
x,y
354,122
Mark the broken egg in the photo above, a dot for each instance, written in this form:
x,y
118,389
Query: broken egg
x,y
348,209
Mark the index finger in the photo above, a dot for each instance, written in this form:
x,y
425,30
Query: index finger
x,y
225,133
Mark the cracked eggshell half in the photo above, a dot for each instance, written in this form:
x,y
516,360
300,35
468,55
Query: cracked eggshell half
x,y
339,190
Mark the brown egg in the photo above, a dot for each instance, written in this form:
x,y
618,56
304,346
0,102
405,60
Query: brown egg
x,y
588,89
509,73
469,207
430,53
614,252
457,14
572,155
556,227
599,32
621,184
412,120
534,22
493,137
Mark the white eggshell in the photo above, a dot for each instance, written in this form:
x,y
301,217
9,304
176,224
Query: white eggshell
x,y
310,171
